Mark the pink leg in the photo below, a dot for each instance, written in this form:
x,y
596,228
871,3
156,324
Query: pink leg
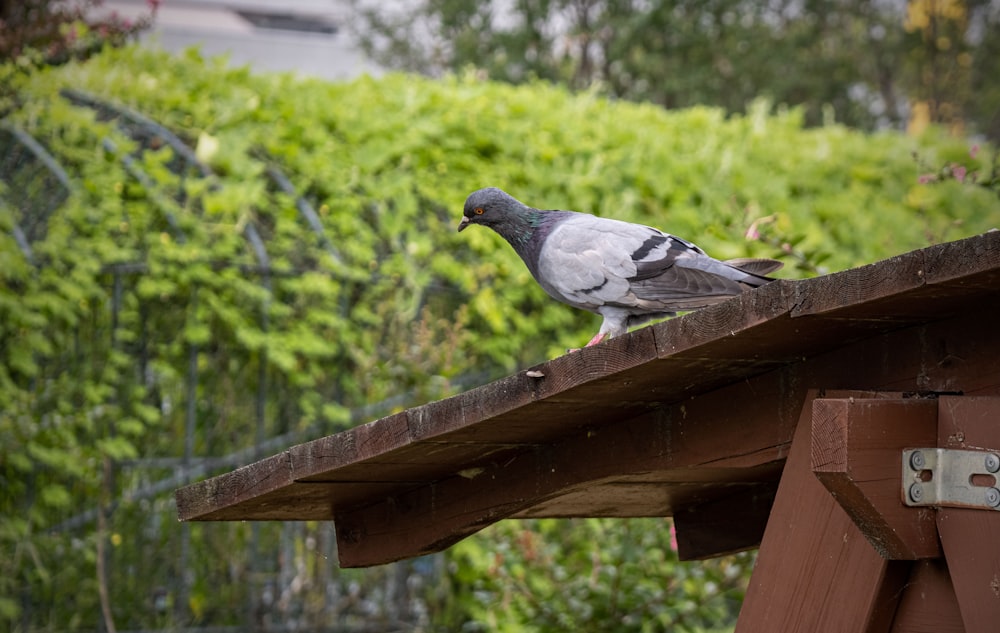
x,y
600,336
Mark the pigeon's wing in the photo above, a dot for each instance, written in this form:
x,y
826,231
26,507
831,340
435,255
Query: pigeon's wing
x,y
591,262
585,264
688,279
689,284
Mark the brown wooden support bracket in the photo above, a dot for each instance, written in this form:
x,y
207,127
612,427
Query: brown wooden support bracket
x,y
856,447
725,525
816,572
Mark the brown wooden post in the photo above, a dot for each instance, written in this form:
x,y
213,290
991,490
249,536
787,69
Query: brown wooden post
x,y
971,537
928,605
816,572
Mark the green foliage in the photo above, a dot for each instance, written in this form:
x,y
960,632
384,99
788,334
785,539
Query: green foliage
x,y
590,574
149,308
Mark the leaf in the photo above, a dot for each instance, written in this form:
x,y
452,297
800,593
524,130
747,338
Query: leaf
x,y
117,448
55,496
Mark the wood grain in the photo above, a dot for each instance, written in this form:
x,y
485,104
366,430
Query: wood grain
x,y
860,291
816,572
856,448
928,604
205,500
741,328
965,264
970,537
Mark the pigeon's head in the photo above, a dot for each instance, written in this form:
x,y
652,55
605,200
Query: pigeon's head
x,y
490,207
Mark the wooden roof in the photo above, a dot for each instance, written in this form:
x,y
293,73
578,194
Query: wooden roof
x,y
692,417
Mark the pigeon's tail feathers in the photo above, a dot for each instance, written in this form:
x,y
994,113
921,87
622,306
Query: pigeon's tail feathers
x,y
755,265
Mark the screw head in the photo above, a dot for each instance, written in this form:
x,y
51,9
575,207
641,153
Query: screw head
x,y
917,460
916,493
992,462
993,497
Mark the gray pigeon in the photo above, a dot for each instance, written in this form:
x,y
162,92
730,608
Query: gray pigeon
x,y
628,273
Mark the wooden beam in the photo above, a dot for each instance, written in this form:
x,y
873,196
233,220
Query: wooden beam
x,y
938,281
683,440
724,526
856,448
816,571
204,498
971,537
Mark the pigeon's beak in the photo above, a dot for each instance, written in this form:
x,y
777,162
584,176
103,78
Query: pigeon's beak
x,y
464,223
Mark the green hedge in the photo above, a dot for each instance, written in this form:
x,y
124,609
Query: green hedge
x,y
404,306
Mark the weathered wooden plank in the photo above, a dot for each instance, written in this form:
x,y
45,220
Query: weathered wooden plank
x,y
920,286
418,463
658,493
928,604
368,441
205,499
854,292
950,355
700,432
971,538
856,444
953,355
587,369
739,329
470,409
965,264
816,572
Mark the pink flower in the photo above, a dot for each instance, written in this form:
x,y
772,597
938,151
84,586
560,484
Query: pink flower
x,y
154,5
925,179
958,171
973,151
753,231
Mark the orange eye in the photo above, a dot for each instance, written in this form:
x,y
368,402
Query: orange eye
x,y
479,210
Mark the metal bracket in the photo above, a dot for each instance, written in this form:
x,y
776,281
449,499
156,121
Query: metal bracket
x,y
949,477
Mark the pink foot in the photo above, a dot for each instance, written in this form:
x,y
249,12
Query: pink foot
x,y
600,336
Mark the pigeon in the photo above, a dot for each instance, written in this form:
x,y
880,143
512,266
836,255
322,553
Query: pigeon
x,y
629,274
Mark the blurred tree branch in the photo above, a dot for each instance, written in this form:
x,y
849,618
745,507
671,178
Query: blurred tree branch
x,y
48,32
